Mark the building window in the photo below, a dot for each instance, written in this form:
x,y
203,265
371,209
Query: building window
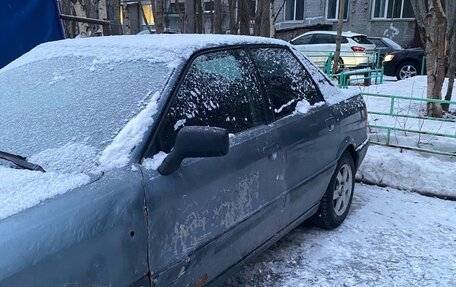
x,y
294,10
332,9
176,7
392,9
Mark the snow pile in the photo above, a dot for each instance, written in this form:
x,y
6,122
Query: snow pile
x,y
21,189
117,154
390,238
155,161
407,170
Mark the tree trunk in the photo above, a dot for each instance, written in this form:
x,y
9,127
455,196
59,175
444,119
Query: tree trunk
x,y
243,12
199,17
340,26
432,25
218,17
189,26
435,55
451,38
158,7
232,15
258,17
114,15
102,13
126,25
265,29
80,11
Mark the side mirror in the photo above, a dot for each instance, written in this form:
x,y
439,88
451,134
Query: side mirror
x,y
195,141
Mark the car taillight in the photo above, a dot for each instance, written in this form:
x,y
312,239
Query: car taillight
x,y
358,49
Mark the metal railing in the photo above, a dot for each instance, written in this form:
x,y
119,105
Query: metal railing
x,y
360,65
421,119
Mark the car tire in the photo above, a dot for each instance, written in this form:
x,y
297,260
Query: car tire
x,y
336,202
340,65
407,70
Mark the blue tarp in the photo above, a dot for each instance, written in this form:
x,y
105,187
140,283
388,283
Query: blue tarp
x,y
26,23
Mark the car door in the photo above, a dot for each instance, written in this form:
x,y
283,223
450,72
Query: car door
x,y
306,129
212,212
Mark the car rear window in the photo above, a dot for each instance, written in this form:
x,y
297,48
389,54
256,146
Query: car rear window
x,y
378,43
361,40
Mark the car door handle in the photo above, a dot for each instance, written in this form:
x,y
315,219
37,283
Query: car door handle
x,y
271,151
330,123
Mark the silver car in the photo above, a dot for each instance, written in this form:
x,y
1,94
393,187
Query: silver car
x,y
166,160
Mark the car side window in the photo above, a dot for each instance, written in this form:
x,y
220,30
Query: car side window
x,y
304,40
324,39
286,80
218,90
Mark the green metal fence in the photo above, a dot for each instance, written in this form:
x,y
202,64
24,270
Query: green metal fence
x,y
372,69
391,113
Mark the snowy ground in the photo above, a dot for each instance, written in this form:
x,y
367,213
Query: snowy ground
x,y
413,87
390,238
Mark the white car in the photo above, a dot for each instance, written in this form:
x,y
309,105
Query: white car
x,y
356,51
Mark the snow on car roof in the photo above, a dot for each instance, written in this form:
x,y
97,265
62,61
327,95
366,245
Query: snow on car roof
x,y
153,48
345,34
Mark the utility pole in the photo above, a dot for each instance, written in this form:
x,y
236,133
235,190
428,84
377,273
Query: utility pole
x,y
340,25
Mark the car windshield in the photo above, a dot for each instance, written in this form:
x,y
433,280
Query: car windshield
x,y
361,40
393,44
73,102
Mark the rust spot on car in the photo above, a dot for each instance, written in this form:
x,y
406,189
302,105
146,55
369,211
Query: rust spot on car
x,y
201,281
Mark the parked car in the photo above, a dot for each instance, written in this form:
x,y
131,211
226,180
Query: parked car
x,y
356,50
166,160
384,45
404,63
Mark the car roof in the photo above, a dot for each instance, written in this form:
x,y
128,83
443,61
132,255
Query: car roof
x,y
164,48
345,34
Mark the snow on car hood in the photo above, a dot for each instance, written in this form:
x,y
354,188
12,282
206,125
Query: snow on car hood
x,y
21,189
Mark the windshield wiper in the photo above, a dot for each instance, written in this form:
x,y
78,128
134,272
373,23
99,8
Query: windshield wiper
x,y
20,161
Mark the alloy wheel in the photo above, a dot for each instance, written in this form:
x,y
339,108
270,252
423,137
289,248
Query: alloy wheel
x,y
407,71
343,189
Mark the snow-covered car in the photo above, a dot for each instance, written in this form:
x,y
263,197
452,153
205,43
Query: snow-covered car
x,y
356,51
167,159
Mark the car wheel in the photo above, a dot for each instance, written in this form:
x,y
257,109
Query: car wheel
x,y
340,65
335,204
407,70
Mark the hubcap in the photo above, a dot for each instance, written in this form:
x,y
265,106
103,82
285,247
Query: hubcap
x,y
407,71
343,189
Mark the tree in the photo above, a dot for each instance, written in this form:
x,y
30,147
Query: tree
x,y
233,19
218,16
263,18
340,25
451,53
199,17
189,19
244,17
157,10
432,25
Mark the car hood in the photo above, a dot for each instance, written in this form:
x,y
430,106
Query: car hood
x,y
22,189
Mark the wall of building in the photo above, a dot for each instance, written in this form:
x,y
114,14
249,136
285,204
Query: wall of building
x,y
359,20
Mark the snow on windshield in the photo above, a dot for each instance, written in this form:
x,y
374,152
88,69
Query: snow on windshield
x,y
61,110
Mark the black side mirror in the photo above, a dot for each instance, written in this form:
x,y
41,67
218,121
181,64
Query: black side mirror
x,y
195,141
